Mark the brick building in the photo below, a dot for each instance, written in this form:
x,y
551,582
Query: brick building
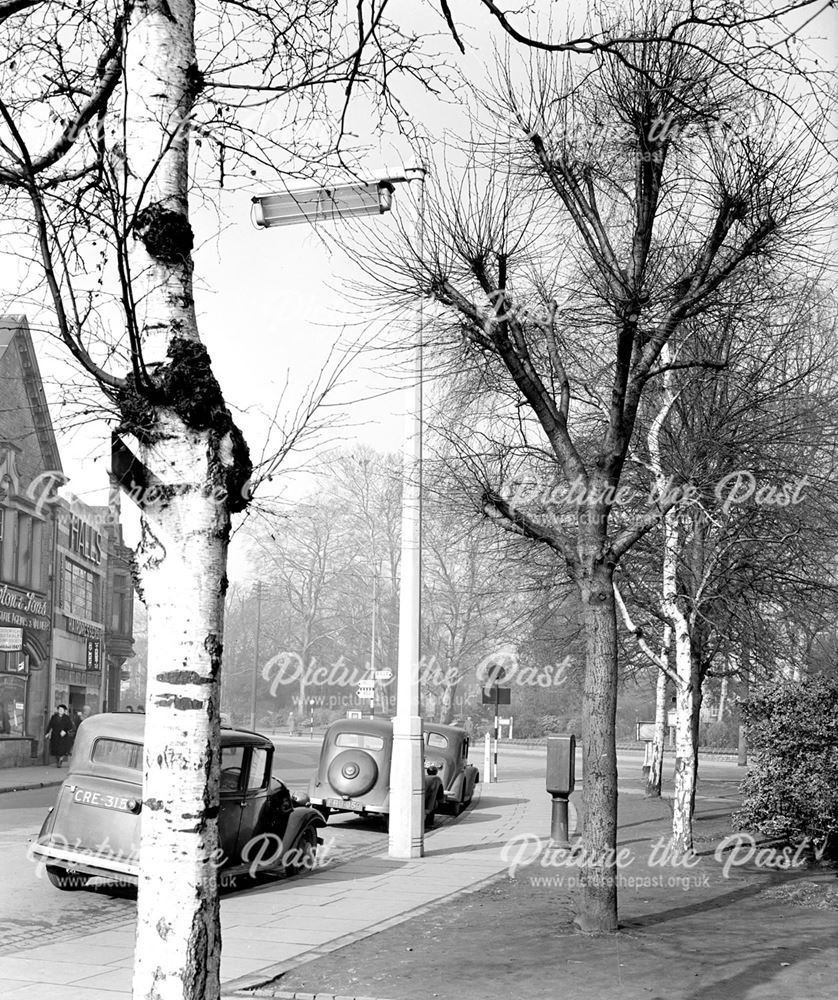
x,y
66,596
30,470
93,606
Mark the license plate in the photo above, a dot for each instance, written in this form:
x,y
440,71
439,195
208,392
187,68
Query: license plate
x,y
102,800
353,804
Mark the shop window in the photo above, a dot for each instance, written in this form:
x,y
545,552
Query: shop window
x,y
13,662
12,704
121,606
80,592
21,540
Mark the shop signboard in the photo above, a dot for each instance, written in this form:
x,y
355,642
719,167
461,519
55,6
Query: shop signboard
x,y
93,652
11,639
23,609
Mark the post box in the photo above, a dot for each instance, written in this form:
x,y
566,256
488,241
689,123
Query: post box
x,y
561,764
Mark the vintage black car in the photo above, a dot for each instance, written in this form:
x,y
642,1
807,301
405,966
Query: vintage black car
x,y
446,751
94,827
354,771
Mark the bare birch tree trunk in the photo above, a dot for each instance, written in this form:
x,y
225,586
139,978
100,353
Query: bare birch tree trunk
x,y
684,707
182,558
197,463
684,692
654,780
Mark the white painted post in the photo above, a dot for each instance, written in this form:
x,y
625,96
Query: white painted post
x,y
407,775
487,758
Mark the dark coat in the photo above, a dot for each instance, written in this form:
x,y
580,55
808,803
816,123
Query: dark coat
x,y
60,732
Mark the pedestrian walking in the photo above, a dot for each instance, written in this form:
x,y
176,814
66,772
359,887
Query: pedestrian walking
x,y
85,713
60,735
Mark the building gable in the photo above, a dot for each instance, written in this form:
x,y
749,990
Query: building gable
x,y
25,422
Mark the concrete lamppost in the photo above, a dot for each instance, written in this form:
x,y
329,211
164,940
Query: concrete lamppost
x,y
407,777
407,773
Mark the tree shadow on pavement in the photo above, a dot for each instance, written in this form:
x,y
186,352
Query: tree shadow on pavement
x,y
765,969
721,901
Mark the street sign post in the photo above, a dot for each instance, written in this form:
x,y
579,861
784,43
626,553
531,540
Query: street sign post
x,y
645,731
494,695
366,691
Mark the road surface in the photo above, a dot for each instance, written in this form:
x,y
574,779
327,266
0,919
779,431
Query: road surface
x,y
32,912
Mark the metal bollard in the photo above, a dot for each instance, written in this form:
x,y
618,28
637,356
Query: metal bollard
x,y
487,759
559,832
561,780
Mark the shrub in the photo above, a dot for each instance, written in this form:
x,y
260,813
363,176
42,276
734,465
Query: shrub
x,y
791,789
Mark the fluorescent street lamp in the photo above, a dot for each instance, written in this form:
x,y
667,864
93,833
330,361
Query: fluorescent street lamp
x,y
407,772
322,204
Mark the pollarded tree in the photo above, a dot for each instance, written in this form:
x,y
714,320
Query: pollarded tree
x,y
618,210
112,114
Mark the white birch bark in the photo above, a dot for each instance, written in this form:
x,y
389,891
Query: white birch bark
x,y
655,777
182,563
189,444
679,624
684,697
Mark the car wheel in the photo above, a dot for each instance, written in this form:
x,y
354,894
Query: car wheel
x,y
66,881
304,853
431,817
471,792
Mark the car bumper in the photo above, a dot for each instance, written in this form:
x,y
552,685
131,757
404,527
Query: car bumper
x,y
336,803
87,863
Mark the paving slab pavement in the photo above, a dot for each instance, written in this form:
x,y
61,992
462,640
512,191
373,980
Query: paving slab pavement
x,y
284,923
277,930
732,925
22,779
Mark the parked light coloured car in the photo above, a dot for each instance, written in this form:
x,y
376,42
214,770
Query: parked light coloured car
x,y
94,826
354,771
446,750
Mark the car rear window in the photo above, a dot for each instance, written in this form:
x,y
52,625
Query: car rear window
x,y
118,753
363,740
437,740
